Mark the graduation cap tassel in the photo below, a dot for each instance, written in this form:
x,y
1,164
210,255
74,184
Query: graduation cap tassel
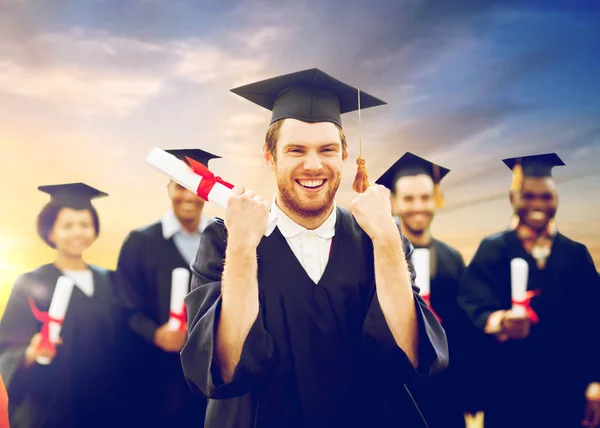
x,y
437,191
361,180
517,182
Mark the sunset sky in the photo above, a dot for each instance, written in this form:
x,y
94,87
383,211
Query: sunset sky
x,y
88,87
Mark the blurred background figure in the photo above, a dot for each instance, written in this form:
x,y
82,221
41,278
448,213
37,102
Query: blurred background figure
x,y
145,269
416,195
70,382
544,356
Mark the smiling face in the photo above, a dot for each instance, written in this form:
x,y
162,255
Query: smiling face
x,y
537,203
186,205
413,202
307,159
73,231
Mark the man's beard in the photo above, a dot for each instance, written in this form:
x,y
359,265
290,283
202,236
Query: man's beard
x,y
290,198
420,231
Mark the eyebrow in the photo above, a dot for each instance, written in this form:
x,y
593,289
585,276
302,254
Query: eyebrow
x,y
300,145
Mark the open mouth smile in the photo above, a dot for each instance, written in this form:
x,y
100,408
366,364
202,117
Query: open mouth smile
x,y
311,184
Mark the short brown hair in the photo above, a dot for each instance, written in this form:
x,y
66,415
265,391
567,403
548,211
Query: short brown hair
x,y
47,218
273,136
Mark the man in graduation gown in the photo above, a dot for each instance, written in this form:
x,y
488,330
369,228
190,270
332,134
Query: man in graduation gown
x,y
540,365
146,263
318,324
414,183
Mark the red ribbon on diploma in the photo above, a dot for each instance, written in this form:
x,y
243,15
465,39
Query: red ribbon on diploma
x,y
526,303
45,319
427,299
181,316
208,179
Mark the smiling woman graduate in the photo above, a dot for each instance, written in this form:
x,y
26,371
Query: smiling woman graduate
x,y
64,382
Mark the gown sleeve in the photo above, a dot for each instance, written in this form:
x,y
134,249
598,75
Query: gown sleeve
x,y
131,287
17,327
476,295
203,305
433,345
585,314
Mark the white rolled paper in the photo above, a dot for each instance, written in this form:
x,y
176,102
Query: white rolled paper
x,y
180,280
180,173
58,309
519,273
420,260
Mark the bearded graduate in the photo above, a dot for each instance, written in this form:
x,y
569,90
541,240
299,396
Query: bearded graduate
x,y
59,331
415,185
319,324
536,293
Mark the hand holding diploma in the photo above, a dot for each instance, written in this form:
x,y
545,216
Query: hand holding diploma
x,y
198,179
517,321
42,346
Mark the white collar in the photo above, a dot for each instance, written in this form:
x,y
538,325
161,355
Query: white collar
x,y
289,228
172,226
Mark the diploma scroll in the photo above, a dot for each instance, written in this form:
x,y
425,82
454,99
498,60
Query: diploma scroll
x,y
421,262
420,259
198,180
53,319
519,272
180,280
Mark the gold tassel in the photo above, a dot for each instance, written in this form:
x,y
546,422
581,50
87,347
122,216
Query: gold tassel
x,y
361,180
517,182
439,198
437,190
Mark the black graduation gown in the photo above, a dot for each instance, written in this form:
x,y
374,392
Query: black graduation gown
x,y
318,355
160,393
78,388
445,398
538,381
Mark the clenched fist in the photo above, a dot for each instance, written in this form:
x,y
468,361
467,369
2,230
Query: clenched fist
x,y
246,218
373,212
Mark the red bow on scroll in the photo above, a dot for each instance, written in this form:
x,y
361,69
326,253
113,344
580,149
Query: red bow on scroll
x,y
45,319
208,179
427,299
181,317
526,303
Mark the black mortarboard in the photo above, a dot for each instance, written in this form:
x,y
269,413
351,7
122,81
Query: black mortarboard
x,y
196,154
531,166
308,95
72,195
410,164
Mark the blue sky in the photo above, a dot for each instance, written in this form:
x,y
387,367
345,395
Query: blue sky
x,y
88,87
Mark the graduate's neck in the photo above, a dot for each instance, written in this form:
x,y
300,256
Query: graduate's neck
x,y
307,222
418,239
190,225
67,262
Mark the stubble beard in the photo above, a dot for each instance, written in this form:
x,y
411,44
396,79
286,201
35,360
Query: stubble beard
x,y
290,198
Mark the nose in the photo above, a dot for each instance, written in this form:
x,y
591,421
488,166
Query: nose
x,y
189,196
312,162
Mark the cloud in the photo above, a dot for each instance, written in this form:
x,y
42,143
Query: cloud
x,y
92,91
95,72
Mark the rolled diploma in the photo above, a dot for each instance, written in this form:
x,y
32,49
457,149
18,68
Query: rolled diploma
x,y
180,279
519,272
420,259
180,173
58,309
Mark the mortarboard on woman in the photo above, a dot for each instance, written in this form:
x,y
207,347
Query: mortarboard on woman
x,y
65,381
